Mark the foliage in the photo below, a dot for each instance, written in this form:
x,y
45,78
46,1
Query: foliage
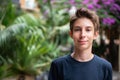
x,y
109,13
29,43
3,68
10,32
28,54
8,12
31,51
55,17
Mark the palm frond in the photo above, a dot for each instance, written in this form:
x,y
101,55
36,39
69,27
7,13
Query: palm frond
x,y
8,33
28,18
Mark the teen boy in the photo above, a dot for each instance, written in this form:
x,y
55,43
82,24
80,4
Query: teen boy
x,y
82,64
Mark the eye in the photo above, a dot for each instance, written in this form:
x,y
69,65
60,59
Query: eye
x,y
88,29
76,29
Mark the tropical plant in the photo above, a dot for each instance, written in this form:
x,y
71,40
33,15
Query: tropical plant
x,y
32,51
31,43
3,68
27,58
7,37
8,12
56,17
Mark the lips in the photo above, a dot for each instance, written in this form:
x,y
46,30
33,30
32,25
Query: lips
x,y
82,42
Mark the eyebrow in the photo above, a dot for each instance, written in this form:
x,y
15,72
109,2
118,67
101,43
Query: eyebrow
x,y
80,27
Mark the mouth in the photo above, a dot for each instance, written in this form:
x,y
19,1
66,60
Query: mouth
x,y
82,42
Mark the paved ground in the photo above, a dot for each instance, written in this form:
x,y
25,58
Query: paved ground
x,y
116,75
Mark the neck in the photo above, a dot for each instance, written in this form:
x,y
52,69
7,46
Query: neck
x,y
82,56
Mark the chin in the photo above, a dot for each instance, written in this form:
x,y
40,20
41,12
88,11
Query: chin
x,y
82,48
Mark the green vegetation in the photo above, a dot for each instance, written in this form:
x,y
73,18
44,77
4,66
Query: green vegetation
x,y
29,41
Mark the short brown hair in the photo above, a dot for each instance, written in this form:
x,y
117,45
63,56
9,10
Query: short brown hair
x,y
85,13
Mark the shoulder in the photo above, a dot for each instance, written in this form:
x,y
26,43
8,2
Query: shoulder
x,y
103,62
104,67
61,60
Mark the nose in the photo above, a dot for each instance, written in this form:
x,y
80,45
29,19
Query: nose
x,y
83,33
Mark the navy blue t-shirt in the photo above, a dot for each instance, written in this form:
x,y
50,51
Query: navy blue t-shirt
x,y
67,68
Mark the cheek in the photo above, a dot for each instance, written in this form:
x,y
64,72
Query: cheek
x,y
76,36
91,36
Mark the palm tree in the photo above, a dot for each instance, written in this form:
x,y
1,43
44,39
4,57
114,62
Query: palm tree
x,y
25,47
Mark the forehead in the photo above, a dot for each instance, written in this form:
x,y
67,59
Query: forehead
x,y
83,22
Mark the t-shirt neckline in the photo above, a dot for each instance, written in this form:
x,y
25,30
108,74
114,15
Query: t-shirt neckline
x,y
81,61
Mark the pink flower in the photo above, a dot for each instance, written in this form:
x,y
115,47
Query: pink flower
x,y
72,2
90,6
108,21
86,1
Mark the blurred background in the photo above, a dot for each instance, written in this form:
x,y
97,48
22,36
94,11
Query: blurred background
x,y
35,32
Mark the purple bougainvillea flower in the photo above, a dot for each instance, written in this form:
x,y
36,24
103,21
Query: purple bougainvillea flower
x,y
85,1
115,7
95,1
98,6
72,2
90,6
108,2
108,21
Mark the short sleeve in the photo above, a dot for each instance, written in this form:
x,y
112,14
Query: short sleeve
x,y
108,72
53,73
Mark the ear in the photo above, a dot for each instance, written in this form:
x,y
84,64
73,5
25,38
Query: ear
x,y
71,34
96,34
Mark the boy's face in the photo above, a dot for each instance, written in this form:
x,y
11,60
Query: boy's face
x,y
83,33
